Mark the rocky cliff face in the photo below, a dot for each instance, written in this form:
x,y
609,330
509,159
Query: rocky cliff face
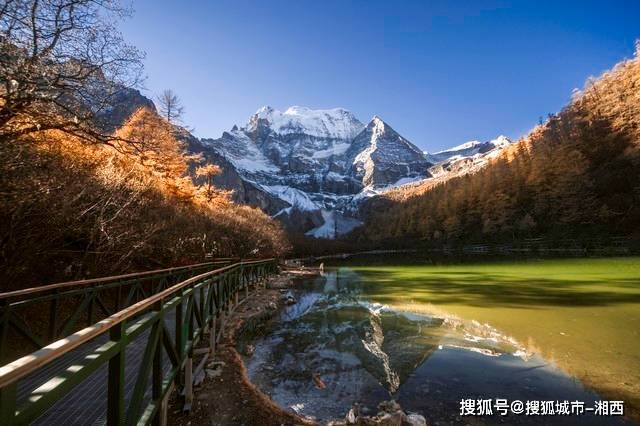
x,y
125,102
379,156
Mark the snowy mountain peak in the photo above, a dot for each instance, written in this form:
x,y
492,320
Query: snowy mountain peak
x,y
469,149
501,141
336,123
466,145
265,110
378,125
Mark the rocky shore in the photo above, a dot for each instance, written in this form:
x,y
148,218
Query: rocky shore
x,y
225,396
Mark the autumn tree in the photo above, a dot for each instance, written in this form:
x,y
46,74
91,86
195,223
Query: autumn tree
x,y
170,106
152,140
208,172
62,64
577,175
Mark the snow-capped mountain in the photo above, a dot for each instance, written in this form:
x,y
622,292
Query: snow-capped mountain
x,y
466,158
379,156
337,123
468,149
311,169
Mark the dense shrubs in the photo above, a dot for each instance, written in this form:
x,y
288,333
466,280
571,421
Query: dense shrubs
x,y
69,209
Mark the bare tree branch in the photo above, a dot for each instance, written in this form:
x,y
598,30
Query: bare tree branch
x,y
62,65
171,106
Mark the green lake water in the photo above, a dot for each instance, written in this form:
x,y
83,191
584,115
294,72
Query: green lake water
x,y
429,334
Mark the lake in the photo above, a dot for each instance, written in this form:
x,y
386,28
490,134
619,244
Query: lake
x,y
429,334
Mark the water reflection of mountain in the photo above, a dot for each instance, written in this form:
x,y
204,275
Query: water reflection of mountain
x,y
336,347
337,333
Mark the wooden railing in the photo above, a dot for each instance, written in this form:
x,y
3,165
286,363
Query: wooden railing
x,y
57,310
195,306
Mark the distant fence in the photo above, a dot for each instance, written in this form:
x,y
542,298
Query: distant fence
x,y
167,325
612,246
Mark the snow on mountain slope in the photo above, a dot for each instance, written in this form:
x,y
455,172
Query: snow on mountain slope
x,y
337,123
468,149
380,156
295,197
312,169
334,225
242,152
470,159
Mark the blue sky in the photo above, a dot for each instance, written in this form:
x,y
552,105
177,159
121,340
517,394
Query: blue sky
x,y
440,73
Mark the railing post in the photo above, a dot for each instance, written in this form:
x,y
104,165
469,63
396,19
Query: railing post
x,y
4,327
246,284
238,283
90,307
229,294
115,385
212,336
53,317
213,313
179,341
188,368
188,382
157,375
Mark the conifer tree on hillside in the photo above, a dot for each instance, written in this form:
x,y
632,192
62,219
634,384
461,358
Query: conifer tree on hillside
x,y
575,175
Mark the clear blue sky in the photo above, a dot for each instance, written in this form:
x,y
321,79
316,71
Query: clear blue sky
x,y
441,73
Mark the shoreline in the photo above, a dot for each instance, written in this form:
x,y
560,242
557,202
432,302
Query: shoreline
x,y
226,396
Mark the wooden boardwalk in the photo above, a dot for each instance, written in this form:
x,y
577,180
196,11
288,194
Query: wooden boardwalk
x,y
87,403
123,367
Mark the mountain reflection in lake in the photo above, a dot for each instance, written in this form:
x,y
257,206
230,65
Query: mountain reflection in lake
x,y
335,348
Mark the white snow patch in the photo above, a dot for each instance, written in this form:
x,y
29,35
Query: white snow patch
x,y
293,196
466,145
405,181
333,225
243,153
335,123
337,149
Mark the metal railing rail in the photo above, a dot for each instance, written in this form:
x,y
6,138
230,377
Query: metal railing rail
x,y
199,303
86,302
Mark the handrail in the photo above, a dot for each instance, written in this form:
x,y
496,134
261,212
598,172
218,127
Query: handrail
x,y
102,280
196,304
86,301
26,365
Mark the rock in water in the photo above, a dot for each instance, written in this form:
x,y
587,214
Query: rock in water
x,y
389,419
318,381
414,419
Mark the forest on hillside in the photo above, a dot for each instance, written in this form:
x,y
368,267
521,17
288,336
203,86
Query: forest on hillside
x,y
577,175
79,199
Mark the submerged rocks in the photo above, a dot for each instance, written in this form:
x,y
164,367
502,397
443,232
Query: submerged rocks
x,y
414,419
390,414
288,298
